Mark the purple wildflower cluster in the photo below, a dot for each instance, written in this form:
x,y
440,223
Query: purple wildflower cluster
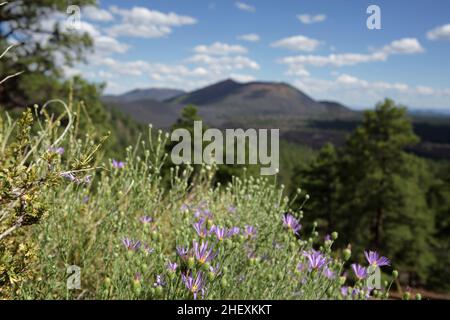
x,y
315,258
118,164
374,259
135,245
194,284
290,222
219,232
57,150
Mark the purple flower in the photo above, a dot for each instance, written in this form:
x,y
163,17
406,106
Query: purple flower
x,y
130,244
200,228
328,273
70,176
118,164
145,219
159,281
219,232
203,213
85,199
290,222
182,252
148,249
194,285
300,267
172,266
360,271
344,291
316,259
327,237
215,270
202,252
58,150
249,231
87,179
233,231
374,259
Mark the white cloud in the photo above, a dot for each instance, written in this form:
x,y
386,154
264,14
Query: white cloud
x,y
245,7
105,45
308,19
251,37
242,77
96,14
403,46
219,48
145,23
440,33
224,63
335,60
352,90
297,43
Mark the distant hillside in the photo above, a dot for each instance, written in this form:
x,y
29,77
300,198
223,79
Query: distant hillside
x,y
157,94
229,103
255,102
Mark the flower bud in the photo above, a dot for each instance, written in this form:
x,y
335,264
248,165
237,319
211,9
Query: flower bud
x,y
191,262
223,283
154,235
346,253
342,280
107,282
407,295
211,276
334,235
418,296
395,274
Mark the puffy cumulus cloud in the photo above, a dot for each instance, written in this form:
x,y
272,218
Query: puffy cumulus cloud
x,y
244,6
93,13
309,19
153,70
242,77
397,47
250,37
219,48
142,22
403,46
103,44
356,91
224,63
335,60
297,43
440,33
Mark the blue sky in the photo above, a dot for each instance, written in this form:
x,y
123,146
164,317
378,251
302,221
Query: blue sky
x,y
322,47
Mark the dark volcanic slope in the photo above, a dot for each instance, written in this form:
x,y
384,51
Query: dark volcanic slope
x,y
229,101
253,104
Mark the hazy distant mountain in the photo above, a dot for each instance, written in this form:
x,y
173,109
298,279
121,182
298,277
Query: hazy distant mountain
x,y
157,94
230,101
268,104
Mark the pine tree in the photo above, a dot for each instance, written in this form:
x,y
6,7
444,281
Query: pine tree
x,y
321,180
42,46
383,193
